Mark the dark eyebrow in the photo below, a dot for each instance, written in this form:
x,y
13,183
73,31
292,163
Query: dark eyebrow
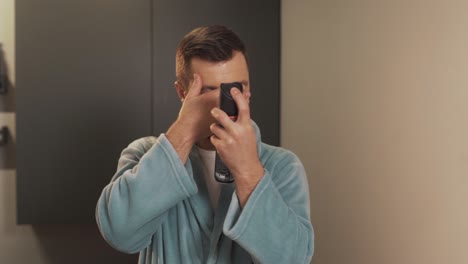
x,y
244,82
209,87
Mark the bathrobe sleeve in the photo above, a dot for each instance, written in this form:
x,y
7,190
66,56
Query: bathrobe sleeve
x,y
274,226
145,186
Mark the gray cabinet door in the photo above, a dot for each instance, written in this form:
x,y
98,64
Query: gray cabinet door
x,y
83,94
92,76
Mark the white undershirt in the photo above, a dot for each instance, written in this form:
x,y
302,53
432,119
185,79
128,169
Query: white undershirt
x,y
208,159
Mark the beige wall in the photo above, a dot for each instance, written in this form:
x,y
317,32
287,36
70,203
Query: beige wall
x,y
375,102
7,34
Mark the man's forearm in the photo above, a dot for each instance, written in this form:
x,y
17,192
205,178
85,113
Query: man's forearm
x,y
245,184
180,141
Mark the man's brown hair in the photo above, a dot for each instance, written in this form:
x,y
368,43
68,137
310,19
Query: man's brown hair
x,y
212,43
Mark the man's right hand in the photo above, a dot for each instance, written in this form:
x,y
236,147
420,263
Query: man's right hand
x,y
193,122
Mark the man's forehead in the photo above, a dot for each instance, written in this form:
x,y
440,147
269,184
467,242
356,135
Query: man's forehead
x,y
236,56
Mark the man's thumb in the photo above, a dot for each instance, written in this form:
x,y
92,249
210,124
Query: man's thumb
x,y
195,88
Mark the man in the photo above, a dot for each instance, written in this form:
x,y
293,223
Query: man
x,y
163,200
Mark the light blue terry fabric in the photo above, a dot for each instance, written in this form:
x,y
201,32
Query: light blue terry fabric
x,y
160,207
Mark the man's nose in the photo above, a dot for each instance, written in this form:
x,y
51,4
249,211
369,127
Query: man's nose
x,y
214,98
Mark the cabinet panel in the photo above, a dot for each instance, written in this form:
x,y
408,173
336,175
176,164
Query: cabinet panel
x,y
83,94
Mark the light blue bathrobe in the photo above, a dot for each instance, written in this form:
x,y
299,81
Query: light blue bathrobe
x,y
160,207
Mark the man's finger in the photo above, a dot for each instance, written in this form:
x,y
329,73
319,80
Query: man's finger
x,y
223,119
242,105
218,131
215,141
196,86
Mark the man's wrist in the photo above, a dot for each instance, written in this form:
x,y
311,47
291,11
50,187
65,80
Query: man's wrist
x,y
246,184
177,133
252,175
